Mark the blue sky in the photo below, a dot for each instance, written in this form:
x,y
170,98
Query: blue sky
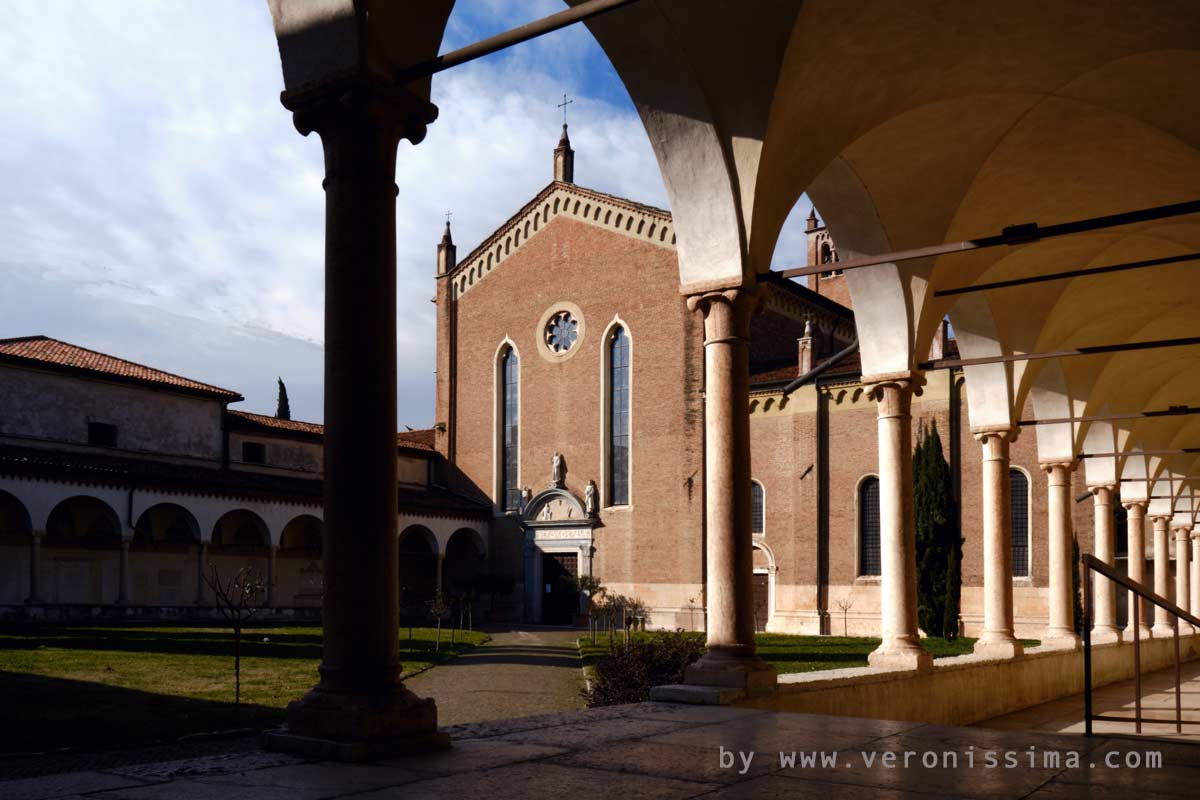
x,y
158,205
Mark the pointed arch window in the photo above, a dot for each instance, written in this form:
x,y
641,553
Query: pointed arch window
x,y
1018,486
510,371
868,527
618,422
757,508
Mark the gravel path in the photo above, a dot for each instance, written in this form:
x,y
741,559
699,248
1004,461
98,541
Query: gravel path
x,y
517,674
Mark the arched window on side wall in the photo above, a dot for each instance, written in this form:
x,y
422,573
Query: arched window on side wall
x,y
757,508
618,426
868,527
510,371
1018,486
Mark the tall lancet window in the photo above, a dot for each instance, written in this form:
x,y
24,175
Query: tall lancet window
x,y
510,370
868,527
1018,485
757,508
618,423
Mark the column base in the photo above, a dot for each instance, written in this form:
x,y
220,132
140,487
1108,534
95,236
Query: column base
x,y
1161,631
1143,633
355,727
732,669
1061,639
1107,635
900,654
998,645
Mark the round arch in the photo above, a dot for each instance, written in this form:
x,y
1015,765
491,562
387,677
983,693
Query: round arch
x,y
764,586
165,526
241,531
302,537
466,558
83,521
418,564
15,524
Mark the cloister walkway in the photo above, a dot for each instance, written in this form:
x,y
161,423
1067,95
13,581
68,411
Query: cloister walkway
x,y
659,750
520,672
1065,715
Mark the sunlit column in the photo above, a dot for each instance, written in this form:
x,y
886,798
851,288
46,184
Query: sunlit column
x,y
1060,630
900,647
1104,628
729,659
1182,593
1194,594
1136,527
1162,576
997,638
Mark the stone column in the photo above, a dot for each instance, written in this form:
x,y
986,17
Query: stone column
x,y
441,569
1060,631
1162,575
1182,594
123,572
1136,527
272,553
35,568
997,639
729,660
900,648
201,571
1104,615
360,707
1194,595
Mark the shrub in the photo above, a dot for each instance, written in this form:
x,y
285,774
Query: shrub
x,y
628,672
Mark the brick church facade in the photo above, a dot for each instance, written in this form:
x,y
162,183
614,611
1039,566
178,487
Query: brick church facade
x,y
569,397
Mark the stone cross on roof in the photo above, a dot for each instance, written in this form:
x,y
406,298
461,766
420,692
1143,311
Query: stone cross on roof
x,y
563,105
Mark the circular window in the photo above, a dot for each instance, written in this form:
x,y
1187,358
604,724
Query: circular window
x,y
561,332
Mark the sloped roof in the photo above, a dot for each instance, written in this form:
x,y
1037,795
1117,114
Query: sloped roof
x,y
45,353
416,440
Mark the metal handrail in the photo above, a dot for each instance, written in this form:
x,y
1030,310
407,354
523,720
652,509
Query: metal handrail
x,y
1090,562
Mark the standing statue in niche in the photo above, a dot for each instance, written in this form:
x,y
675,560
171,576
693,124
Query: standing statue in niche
x,y
526,496
559,471
589,499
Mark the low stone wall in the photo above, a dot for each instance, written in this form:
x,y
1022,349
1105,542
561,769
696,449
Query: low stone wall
x,y
966,689
83,612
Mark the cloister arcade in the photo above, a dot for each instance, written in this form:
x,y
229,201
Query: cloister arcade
x,y
67,545
909,126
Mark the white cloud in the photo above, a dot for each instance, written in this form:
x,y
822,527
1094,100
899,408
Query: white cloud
x,y
151,171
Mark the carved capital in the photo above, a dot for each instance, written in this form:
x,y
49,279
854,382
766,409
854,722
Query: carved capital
x,y
726,313
37,534
908,383
1007,433
1063,467
1195,535
1135,506
1103,494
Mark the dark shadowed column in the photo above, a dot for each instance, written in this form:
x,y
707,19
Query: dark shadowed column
x,y
360,706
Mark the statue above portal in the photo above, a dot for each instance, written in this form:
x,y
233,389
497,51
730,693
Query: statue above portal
x,y
558,471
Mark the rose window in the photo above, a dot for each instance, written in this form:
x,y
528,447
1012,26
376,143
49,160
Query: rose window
x,y
561,332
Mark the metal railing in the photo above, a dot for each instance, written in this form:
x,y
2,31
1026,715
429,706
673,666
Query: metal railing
x,y
1092,564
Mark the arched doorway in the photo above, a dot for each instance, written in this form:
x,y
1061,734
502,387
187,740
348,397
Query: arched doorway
x,y
163,538
466,559
299,578
15,549
418,569
83,543
764,586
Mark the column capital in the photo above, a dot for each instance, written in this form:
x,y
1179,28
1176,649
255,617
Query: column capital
x,y
364,99
37,534
878,386
1161,520
1182,532
1102,492
1067,465
985,433
727,313
1130,505
1195,535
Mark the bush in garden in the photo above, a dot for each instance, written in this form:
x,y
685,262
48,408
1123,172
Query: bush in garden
x,y
628,672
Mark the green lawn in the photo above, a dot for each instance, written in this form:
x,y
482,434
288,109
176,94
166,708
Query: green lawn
x,y
787,653
101,686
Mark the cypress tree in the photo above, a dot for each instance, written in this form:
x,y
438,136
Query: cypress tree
x,y
937,537
282,409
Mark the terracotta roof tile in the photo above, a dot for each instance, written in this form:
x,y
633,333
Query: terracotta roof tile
x,y
42,351
422,440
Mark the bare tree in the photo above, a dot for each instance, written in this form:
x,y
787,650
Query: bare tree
x,y
236,600
845,605
438,608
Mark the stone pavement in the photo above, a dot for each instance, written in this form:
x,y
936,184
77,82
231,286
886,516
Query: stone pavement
x,y
517,674
1065,715
659,750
